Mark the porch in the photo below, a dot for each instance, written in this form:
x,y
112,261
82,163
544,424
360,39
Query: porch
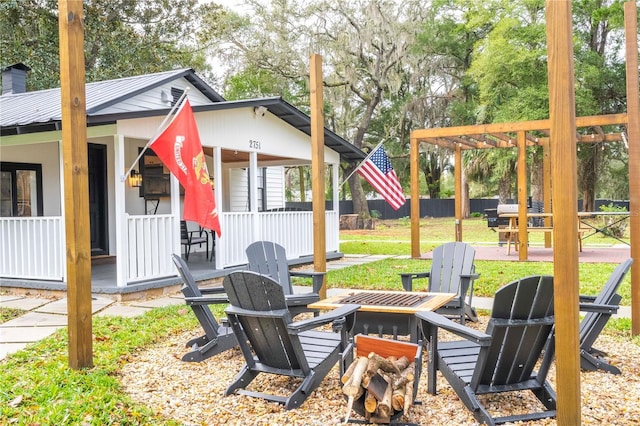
x,y
39,263
103,279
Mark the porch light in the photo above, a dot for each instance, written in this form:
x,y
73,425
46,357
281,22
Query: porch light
x,y
135,179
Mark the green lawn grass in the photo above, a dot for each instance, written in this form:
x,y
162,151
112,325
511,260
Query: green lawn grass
x,y
37,387
393,237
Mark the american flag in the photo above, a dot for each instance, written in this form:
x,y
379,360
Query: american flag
x,y
378,172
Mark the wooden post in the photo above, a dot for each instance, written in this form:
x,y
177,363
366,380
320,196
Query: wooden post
x,y
458,191
76,183
317,171
546,179
633,132
523,237
563,141
414,160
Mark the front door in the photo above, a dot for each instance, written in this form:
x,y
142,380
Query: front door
x,y
98,216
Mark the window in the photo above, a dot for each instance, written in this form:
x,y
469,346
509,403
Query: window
x,y
20,189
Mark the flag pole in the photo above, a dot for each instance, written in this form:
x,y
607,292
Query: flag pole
x,y
361,163
158,131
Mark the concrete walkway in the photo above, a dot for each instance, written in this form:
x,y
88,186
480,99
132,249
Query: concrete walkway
x,y
45,316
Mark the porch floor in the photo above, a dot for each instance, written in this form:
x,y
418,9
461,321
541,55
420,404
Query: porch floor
x,y
103,280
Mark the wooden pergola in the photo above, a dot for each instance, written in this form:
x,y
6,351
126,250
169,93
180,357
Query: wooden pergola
x,y
515,135
558,136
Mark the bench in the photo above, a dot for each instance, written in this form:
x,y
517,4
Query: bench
x,y
512,234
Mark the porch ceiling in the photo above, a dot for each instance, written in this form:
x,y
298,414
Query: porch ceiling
x,y
232,156
591,129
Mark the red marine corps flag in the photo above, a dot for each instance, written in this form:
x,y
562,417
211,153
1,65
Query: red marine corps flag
x,y
179,148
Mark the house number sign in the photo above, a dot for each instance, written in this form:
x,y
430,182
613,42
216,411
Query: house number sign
x,y
254,144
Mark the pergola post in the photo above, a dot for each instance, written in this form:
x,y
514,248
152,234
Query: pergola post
x,y
317,171
76,183
565,213
414,158
523,236
633,132
458,191
546,183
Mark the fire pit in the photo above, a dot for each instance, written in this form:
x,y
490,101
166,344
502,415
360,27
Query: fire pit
x,y
387,312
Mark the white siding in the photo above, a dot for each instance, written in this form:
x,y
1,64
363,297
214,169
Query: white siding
x,y
152,99
238,193
275,187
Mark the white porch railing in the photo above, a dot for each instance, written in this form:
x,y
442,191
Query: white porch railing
x,y
150,244
32,248
293,230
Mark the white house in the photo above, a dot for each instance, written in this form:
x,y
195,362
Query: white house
x,y
247,144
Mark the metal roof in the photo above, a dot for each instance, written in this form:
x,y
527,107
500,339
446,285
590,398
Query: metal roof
x,y
41,110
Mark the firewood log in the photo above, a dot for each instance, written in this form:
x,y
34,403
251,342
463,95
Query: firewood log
x,y
397,399
347,374
383,363
352,388
408,396
353,384
402,363
384,406
370,403
406,375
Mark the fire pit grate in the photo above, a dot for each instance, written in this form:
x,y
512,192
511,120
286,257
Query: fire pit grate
x,y
386,299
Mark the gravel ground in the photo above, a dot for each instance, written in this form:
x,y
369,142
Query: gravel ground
x,y
192,393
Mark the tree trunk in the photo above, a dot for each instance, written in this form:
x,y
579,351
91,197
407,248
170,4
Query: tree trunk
x,y
504,189
360,205
588,161
464,197
432,175
537,180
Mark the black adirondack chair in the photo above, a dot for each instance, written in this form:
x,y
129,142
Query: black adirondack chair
x,y
268,258
452,271
272,343
599,309
217,337
503,358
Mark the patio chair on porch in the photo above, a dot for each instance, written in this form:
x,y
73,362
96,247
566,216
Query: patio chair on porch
x,y
217,337
452,271
272,343
269,258
599,309
502,359
192,238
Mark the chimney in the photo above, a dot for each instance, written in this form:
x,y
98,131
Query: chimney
x,y
14,78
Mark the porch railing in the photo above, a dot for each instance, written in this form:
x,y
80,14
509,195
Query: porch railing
x,y
293,230
150,244
32,248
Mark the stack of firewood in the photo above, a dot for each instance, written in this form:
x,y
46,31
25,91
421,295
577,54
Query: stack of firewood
x,y
385,383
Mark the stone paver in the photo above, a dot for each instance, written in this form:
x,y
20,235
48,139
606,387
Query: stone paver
x,y
36,319
60,306
122,311
25,334
20,302
9,348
